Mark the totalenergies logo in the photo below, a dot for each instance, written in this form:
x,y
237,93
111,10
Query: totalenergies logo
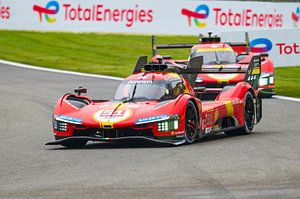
x,y
51,8
201,12
260,45
296,16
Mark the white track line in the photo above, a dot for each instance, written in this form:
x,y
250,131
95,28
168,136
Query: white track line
x,y
100,76
58,71
286,98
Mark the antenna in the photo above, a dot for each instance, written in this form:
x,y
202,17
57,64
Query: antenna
x,y
209,34
247,41
154,49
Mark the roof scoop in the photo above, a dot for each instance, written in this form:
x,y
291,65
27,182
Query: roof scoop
x,y
80,90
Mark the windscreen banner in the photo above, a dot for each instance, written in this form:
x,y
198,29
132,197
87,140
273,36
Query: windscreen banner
x,y
283,46
175,17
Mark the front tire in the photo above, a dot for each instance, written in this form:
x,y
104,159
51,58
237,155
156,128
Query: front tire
x,y
191,123
249,117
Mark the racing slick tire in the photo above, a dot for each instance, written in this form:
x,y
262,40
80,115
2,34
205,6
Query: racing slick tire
x,y
75,143
249,117
191,123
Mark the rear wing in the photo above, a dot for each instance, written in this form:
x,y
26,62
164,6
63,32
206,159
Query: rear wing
x,y
237,46
155,46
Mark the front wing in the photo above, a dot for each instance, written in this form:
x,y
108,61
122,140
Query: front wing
x,y
131,138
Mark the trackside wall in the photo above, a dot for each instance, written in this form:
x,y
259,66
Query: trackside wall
x,y
142,16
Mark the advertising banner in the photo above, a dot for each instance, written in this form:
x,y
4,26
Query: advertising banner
x,y
283,46
175,17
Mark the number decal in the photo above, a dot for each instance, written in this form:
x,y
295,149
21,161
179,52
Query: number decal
x,y
106,112
119,113
109,115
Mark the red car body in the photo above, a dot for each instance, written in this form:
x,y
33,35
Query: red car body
x,y
156,103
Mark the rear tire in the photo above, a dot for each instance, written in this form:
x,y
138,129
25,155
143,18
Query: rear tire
x,y
249,117
191,123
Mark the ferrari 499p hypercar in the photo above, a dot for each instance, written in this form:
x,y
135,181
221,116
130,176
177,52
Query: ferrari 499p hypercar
x,y
159,103
218,56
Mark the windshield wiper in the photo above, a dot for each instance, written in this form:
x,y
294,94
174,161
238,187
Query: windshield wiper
x,y
217,58
132,96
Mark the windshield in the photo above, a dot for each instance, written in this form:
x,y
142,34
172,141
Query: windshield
x,y
216,57
144,90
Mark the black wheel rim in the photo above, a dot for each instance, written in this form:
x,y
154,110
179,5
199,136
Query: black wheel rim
x,y
190,123
249,112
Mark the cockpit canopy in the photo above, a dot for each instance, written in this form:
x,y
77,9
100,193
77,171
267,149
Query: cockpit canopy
x,y
145,90
213,56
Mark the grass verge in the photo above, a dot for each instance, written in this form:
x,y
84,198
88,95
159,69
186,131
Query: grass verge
x,y
287,81
107,54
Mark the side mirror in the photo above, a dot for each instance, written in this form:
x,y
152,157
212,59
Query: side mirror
x,y
80,90
200,89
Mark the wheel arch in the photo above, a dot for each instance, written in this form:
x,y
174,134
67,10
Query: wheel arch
x,y
182,103
196,105
252,92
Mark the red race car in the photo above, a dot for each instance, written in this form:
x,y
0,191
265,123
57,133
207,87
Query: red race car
x,y
219,55
159,103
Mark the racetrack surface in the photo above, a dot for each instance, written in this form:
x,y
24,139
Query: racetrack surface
x,y
265,164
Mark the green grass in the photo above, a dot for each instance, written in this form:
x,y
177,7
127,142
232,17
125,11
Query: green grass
x,y
287,81
107,54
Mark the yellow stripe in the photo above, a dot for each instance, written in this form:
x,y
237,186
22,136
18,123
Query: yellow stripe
x,y
216,115
223,81
107,125
213,49
256,71
229,108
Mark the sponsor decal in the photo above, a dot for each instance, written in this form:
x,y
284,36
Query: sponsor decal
x,y
100,13
112,116
140,82
93,13
4,11
233,18
207,130
223,77
64,118
260,45
132,105
201,12
214,49
296,16
152,119
247,18
51,8
104,106
288,49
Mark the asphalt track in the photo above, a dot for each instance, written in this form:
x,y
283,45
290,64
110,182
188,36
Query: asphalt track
x,y
265,164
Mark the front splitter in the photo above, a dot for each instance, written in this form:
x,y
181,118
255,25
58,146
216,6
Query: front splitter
x,y
130,138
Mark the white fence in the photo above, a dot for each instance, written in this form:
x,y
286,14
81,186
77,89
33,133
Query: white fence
x,y
261,19
142,16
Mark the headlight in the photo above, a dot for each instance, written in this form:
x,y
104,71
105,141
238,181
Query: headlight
x,y
199,80
263,81
266,78
168,125
59,126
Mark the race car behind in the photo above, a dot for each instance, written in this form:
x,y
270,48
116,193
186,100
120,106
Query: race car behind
x,y
219,56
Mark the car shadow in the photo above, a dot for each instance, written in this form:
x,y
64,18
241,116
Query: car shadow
x,y
147,144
